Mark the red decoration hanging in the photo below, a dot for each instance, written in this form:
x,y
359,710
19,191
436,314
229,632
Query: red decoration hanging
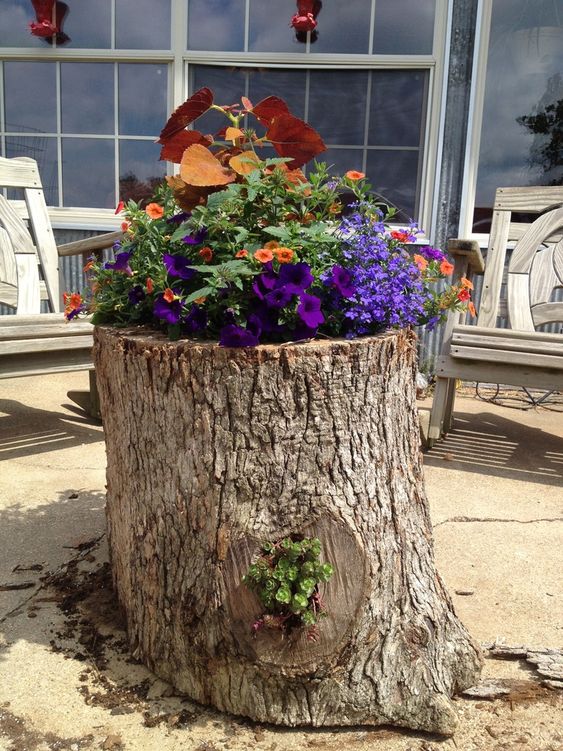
x,y
306,17
49,15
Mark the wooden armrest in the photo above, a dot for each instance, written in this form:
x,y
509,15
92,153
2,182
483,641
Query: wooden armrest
x,y
89,244
470,249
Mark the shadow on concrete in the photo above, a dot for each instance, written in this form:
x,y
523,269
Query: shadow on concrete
x,y
488,444
26,430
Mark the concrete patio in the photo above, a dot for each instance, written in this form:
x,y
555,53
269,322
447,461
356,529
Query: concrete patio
x,y
495,488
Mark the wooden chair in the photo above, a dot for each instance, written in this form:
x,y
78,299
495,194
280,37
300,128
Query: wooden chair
x,y
522,293
32,343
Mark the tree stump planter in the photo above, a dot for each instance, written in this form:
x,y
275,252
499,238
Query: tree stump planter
x,y
212,452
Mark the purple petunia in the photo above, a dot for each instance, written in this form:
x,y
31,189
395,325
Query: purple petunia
x,y
431,254
278,297
196,238
121,263
196,320
171,312
296,277
309,310
136,294
341,279
178,266
232,335
179,218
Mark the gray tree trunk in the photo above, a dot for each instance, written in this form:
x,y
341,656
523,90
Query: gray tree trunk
x,y
212,452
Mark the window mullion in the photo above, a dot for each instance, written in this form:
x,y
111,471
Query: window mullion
x,y
59,132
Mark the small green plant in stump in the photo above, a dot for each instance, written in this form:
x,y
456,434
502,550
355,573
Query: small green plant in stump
x,y
286,579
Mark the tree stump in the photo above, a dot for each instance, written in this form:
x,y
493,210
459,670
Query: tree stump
x,y
212,452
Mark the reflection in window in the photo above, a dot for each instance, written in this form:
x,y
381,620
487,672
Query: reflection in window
x,y
397,107
269,29
30,96
344,31
139,169
15,16
87,98
523,107
142,24
337,105
405,28
88,172
394,176
216,25
88,24
44,150
143,99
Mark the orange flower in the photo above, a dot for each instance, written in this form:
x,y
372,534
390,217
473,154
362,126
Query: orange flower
x,y
88,266
125,226
206,253
119,208
169,295
400,235
446,267
241,253
284,255
154,211
73,301
466,283
149,285
354,175
463,295
264,255
271,244
420,261
200,300
471,309
334,208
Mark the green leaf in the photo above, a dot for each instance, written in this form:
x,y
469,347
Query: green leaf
x,y
183,230
203,292
280,232
283,595
298,603
174,332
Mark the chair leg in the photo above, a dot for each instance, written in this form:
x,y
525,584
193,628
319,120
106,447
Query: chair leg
x,y
438,409
449,408
94,407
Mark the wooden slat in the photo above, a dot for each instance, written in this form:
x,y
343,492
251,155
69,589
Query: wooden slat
x,y
550,312
496,255
29,300
507,357
543,278
8,269
517,230
45,244
528,200
40,331
16,229
470,250
518,298
46,344
90,244
558,261
38,363
539,336
43,318
19,172
494,372
544,226
513,344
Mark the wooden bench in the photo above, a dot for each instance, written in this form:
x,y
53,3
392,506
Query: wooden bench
x,y
31,342
522,293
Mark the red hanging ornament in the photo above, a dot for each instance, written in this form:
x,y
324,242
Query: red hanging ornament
x,y
50,15
306,17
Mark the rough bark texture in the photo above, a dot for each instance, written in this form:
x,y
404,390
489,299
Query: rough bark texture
x,y
212,452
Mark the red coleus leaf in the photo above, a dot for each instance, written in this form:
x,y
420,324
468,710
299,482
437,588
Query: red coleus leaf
x,y
292,137
246,103
269,108
186,113
175,146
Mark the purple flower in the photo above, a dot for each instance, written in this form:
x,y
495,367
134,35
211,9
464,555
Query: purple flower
x,y
121,263
179,218
136,295
301,331
341,278
266,318
170,312
178,266
235,336
278,297
196,320
309,310
254,324
296,276
431,254
196,238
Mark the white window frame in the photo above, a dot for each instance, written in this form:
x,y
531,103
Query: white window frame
x,y
178,60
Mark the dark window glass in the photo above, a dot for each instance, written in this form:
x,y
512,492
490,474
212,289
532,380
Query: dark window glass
x,y
216,25
15,16
87,24
30,97
337,105
523,107
143,99
288,85
139,169
227,84
269,29
89,172
404,28
398,99
343,29
394,175
44,150
142,24
339,161
87,98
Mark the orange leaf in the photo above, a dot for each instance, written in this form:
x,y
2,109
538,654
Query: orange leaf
x,y
292,137
187,196
199,167
245,163
186,113
231,134
176,145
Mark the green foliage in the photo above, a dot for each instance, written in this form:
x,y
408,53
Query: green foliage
x,y
286,579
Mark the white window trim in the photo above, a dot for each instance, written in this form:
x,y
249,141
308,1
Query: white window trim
x,y
178,59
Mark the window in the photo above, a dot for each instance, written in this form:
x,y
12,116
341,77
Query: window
x,y
89,109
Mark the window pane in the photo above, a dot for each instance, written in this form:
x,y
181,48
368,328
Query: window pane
x,y
44,151
87,98
227,84
339,161
139,169
405,28
15,16
393,174
337,105
398,99
269,27
522,110
88,172
288,85
30,97
216,25
342,30
142,24
143,99
88,24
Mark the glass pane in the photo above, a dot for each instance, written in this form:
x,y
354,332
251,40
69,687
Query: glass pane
x,y
288,85
142,24
88,24
87,98
339,161
44,151
216,25
30,96
405,28
88,172
139,169
337,105
341,30
15,16
522,121
143,99
398,99
227,84
269,27
394,175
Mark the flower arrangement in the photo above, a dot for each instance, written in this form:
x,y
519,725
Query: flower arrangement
x,y
243,248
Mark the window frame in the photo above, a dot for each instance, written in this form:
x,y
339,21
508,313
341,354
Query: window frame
x,y
178,59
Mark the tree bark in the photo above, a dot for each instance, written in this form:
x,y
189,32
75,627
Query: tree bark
x,y
214,451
